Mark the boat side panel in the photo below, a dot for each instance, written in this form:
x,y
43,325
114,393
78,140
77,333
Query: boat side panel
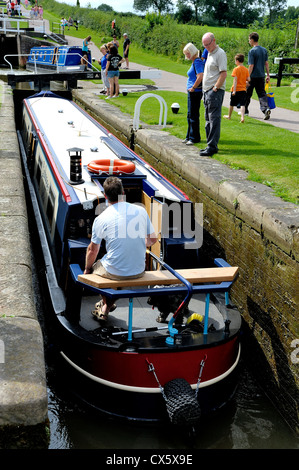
x,y
49,57
150,407
132,368
53,204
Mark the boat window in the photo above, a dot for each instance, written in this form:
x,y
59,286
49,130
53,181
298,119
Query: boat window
x,y
50,207
38,172
43,191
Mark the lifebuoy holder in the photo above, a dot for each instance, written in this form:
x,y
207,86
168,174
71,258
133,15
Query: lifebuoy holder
x,y
111,167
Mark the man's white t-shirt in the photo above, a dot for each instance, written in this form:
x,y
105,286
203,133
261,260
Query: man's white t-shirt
x,y
216,62
124,228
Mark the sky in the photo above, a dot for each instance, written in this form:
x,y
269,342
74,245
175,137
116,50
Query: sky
x,y
127,5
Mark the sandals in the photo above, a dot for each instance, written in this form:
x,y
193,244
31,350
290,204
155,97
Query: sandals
x,y
98,313
99,316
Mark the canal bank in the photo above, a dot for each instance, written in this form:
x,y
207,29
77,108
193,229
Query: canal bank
x,y
245,223
23,393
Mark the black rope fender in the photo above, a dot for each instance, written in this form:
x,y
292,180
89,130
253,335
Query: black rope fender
x,y
180,399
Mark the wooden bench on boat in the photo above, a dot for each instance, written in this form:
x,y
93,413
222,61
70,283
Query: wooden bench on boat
x,y
183,281
152,278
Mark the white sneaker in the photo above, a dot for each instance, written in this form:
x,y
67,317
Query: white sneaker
x,y
108,98
184,141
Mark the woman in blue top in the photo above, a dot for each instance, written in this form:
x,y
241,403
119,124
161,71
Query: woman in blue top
x,y
195,74
85,44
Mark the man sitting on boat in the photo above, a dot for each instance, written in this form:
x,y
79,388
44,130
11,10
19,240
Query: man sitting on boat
x,y
127,231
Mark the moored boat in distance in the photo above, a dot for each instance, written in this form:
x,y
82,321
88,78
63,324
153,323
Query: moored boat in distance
x,y
57,59
133,367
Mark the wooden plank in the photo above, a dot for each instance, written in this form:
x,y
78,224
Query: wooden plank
x,y
151,278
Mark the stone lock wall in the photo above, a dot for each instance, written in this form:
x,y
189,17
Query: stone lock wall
x,y
248,226
23,388
251,228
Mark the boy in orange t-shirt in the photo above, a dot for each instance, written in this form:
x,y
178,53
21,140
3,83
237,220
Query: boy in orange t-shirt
x,y
238,90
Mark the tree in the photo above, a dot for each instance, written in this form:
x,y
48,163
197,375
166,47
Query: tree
x,y
275,8
105,7
243,14
232,12
198,5
292,13
158,5
184,12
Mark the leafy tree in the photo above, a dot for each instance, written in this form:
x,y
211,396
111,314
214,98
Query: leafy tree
x,y
223,12
243,14
105,7
275,8
184,13
199,6
292,13
158,5
220,10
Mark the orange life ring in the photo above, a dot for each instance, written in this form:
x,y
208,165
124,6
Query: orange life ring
x,y
111,167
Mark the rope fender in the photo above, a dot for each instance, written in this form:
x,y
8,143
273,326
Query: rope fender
x,y
180,399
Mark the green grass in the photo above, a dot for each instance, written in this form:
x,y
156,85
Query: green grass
x,y
268,154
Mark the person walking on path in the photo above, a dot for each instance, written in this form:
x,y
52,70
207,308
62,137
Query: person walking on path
x,y
214,77
115,41
258,62
126,46
238,89
194,90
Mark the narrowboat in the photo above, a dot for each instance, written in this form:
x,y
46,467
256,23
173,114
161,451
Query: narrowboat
x,y
57,59
170,351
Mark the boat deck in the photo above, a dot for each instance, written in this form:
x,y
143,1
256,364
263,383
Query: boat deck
x,y
144,315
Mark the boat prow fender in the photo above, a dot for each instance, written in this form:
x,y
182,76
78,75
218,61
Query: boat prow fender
x,y
181,403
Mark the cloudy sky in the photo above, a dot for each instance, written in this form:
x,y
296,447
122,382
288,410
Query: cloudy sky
x,y
127,5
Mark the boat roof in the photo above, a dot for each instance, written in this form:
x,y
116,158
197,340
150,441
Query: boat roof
x,y
64,126
64,47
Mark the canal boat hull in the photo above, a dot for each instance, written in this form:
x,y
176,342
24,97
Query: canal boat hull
x,y
57,59
127,367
